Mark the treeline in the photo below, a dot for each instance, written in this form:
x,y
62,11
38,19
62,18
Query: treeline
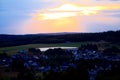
x,y
15,40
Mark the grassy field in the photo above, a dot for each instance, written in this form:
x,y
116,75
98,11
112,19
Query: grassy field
x,y
14,49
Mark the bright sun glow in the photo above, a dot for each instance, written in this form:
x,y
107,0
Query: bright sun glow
x,y
73,17
66,7
55,15
89,12
67,10
73,7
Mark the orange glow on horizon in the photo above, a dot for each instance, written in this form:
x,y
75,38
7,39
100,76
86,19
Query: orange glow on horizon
x,y
64,18
59,25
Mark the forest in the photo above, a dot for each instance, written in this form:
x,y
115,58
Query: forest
x,y
16,40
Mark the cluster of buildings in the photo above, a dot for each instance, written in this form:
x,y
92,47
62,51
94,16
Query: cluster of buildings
x,y
32,61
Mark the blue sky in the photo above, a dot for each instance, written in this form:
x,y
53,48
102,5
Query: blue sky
x,y
17,15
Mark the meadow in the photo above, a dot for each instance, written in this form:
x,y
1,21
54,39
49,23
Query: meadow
x,y
15,49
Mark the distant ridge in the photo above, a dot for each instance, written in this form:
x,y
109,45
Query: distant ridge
x,y
60,33
47,38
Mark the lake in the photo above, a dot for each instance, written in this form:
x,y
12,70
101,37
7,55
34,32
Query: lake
x,y
69,48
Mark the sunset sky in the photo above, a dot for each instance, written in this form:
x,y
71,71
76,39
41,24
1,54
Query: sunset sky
x,y
51,16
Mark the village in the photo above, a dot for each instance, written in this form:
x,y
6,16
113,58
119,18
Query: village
x,y
59,60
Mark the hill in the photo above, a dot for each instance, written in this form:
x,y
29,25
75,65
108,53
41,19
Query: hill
x,y
16,40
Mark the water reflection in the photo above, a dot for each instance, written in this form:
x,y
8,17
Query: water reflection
x,y
46,48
